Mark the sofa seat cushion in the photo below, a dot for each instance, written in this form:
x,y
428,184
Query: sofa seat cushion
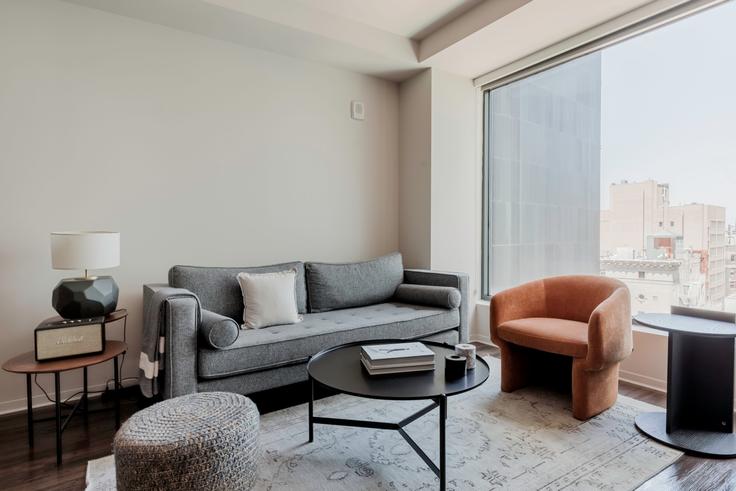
x,y
559,336
276,346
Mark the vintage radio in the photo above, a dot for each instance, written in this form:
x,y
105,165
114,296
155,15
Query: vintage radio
x,y
64,338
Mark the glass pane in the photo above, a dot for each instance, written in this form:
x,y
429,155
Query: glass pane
x,y
621,163
669,164
543,172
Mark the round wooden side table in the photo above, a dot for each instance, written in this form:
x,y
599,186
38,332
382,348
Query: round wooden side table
x,y
27,364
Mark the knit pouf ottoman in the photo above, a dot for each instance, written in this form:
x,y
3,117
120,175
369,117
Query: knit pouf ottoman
x,y
198,441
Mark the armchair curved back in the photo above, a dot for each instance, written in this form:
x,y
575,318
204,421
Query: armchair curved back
x,y
571,297
575,297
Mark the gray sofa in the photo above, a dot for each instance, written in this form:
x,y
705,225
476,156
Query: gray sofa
x,y
207,351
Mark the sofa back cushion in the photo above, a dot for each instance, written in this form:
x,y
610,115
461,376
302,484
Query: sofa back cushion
x,y
340,286
218,289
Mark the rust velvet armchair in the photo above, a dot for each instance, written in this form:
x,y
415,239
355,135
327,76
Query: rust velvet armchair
x,y
587,318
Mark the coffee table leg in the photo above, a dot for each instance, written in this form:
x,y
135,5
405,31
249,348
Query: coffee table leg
x,y
311,409
29,399
443,419
57,403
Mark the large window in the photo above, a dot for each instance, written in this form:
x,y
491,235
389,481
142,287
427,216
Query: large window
x,y
621,163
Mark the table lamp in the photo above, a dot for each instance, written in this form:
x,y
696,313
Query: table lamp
x,y
90,296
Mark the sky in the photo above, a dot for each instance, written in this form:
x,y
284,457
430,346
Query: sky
x,y
668,105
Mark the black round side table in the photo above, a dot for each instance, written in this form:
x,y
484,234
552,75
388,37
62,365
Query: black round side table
x,y
340,369
700,386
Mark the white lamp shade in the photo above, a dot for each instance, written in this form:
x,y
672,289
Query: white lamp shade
x,y
85,250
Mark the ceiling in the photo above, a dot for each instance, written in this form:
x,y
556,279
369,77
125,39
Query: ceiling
x,y
412,19
527,29
392,39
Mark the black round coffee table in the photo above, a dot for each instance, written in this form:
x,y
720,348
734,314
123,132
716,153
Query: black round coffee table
x,y
340,369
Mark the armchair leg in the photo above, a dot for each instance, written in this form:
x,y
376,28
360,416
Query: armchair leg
x,y
593,391
517,365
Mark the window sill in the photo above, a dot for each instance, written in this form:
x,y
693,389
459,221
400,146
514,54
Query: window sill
x,y
648,330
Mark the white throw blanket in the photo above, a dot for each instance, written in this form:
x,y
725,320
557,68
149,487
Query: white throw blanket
x,y
154,337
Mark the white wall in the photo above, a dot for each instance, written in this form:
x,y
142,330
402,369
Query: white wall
x,y
647,364
198,151
456,178
439,203
415,173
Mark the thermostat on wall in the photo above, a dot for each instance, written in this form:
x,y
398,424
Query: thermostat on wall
x,y
357,110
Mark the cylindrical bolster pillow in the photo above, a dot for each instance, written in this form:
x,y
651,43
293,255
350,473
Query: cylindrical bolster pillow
x,y
434,296
217,330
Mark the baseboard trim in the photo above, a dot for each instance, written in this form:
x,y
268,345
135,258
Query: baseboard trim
x,y
645,381
481,338
634,378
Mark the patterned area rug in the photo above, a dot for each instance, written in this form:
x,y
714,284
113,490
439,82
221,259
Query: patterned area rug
x,y
520,441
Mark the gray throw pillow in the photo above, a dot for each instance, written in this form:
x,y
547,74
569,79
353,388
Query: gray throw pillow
x,y
340,286
445,297
217,330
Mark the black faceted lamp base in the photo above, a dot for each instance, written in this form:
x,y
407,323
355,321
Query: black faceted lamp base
x,y
77,298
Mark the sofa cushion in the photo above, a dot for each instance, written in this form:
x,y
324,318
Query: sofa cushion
x,y
341,286
275,346
218,289
269,298
445,297
559,336
218,331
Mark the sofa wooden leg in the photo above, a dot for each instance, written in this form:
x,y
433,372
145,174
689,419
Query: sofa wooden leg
x,y
593,391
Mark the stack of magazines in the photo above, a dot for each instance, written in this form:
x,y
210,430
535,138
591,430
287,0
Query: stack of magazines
x,y
381,359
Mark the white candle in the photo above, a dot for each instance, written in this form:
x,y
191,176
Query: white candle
x,y
468,351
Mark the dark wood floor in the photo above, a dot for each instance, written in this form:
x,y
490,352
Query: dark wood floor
x,y
23,468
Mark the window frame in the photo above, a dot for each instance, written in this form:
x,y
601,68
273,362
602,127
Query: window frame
x,y
493,80
485,290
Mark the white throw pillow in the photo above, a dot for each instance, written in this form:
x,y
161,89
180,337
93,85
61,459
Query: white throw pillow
x,y
269,298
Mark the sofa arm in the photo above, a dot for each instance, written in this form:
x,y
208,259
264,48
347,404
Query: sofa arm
x,y
460,281
181,319
218,331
